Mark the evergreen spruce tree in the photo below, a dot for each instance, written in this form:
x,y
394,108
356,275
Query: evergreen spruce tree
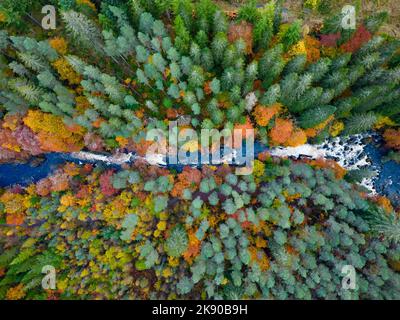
x,y
83,30
296,65
359,123
315,116
271,65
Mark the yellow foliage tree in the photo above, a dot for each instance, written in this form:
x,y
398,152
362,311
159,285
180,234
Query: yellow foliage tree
x,y
383,122
14,206
297,138
3,17
59,44
66,72
263,114
52,133
336,128
67,200
298,48
15,293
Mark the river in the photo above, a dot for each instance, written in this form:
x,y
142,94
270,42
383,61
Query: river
x,y
351,153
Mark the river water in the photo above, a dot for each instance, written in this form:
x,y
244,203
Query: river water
x,y
351,153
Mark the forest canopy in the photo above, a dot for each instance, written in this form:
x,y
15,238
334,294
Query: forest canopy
x,y
114,69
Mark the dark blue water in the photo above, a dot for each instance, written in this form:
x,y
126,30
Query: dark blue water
x,y
388,180
387,183
26,173
23,174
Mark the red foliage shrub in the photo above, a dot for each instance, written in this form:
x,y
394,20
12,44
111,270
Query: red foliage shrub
x,y
83,192
106,184
243,30
43,187
59,182
329,40
27,140
361,36
93,142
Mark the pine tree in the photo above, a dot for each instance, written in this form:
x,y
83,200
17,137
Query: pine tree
x,y
359,123
341,61
374,22
248,12
202,38
218,46
220,24
292,35
271,65
182,40
32,61
319,69
296,65
390,109
207,59
383,223
146,22
77,64
264,26
315,116
230,56
83,30
186,65
228,79
126,42
195,53
205,11
310,99
294,86
272,95
27,90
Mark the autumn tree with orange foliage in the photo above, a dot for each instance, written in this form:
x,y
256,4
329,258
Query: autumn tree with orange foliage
x,y
245,127
59,44
189,179
313,132
17,141
194,247
383,202
281,132
392,138
297,138
312,48
263,114
243,31
106,185
15,205
52,133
